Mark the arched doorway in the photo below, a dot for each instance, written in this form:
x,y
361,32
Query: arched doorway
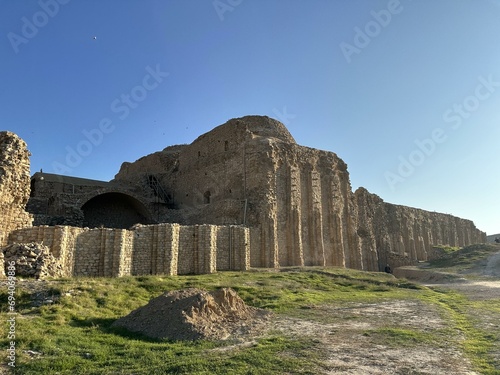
x,y
114,210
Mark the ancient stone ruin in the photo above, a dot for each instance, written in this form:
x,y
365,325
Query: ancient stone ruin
x,y
14,184
243,195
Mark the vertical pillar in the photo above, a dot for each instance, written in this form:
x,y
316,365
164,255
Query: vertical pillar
x,y
206,254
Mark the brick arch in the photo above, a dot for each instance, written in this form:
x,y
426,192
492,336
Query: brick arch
x,y
114,209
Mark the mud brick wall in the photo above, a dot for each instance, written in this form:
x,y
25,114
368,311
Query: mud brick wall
x,y
206,249
124,267
65,239
224,249
187,250
14,184
240,241
142,254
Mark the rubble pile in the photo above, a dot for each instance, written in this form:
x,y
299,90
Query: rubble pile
x,y
32,260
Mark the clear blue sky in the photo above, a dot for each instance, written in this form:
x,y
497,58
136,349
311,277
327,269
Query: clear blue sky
x,y
406,92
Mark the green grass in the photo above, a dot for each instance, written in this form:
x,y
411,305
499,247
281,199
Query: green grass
x,y
477,343
402,337
76,337
465,258
111,353
448,249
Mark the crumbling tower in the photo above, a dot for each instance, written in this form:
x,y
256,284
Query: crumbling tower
x,y
14,184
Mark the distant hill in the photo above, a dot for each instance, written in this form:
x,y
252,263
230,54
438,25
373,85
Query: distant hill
x,y
491,238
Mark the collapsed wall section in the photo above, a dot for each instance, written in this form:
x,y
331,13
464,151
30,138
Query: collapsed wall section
x,y
61,241
14,184
164,249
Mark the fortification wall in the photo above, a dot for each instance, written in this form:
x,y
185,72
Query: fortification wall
x,y
403,235
306,214
166,249
14,184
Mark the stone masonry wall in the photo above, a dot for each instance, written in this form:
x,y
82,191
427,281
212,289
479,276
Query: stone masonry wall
x,y
305,214
401,235
166,249
229,241
14,184
311,218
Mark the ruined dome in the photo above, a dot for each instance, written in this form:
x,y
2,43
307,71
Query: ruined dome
x,y
260,126
265,127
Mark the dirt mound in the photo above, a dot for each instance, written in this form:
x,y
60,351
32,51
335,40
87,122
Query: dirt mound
x,y
32,260
192,314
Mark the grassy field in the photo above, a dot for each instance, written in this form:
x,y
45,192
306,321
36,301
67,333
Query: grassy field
x,y
73,335
462,260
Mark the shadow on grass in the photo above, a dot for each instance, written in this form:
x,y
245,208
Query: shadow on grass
x,y
105,325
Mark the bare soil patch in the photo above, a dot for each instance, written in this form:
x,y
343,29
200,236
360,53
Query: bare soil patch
x,y
480,281
375,338
474,289
354,339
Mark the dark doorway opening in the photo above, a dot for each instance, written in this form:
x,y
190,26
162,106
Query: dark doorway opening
x,y
114,210
206,197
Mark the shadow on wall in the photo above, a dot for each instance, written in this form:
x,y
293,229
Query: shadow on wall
x,y
114,210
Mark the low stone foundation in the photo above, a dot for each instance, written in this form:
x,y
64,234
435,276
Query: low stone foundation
x,y
166,249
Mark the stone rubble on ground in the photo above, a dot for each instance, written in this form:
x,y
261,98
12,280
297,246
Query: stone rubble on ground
x,y
32,260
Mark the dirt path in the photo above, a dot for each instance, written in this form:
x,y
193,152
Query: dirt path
x,y
371,339
355,339
474,290
485,285
493,266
